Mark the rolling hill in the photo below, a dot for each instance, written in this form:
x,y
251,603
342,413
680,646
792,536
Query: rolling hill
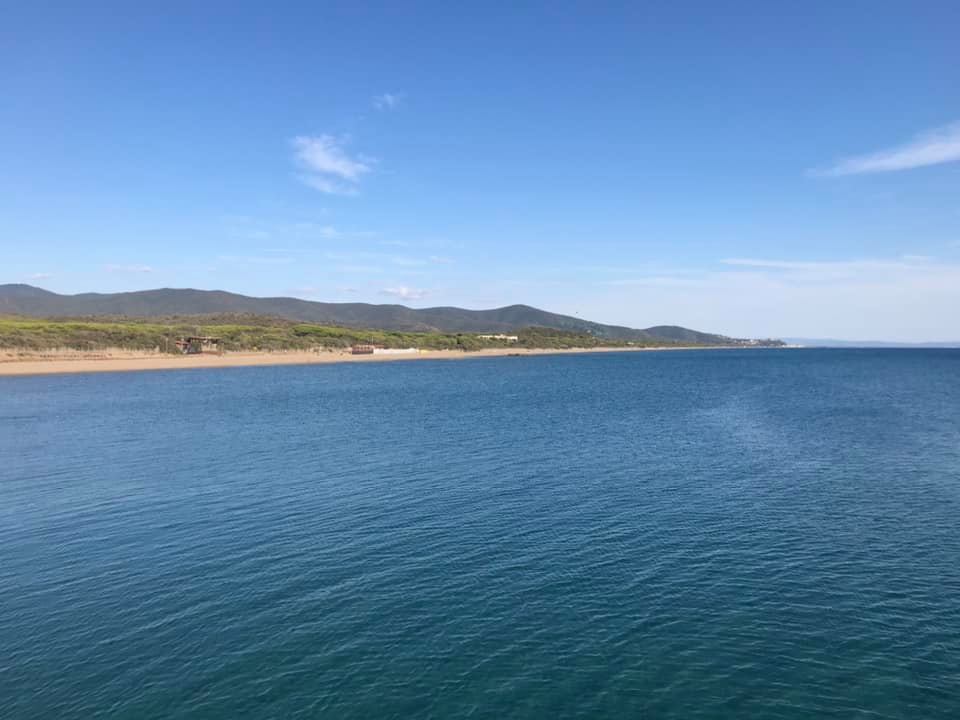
x,y
26,300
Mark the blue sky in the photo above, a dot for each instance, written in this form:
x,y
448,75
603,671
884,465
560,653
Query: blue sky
x,y
749,168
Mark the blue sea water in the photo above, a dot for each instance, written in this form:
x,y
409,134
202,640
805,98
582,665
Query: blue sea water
x,y
710,534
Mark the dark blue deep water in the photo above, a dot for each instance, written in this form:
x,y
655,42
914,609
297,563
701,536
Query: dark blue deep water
x,y
714,534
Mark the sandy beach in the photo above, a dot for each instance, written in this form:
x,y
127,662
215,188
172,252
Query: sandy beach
x,y
125,361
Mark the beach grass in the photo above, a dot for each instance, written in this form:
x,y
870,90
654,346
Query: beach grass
x,y
254,333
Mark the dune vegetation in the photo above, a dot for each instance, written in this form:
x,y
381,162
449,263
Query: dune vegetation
x,y
256,333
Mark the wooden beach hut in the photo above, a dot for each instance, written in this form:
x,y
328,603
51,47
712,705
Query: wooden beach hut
x,y
199,344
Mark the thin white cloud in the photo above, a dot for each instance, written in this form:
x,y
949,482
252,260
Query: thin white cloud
x,y
328,167
359,269
115,268
404,261
327,186
831,266
653,281
312,292
887,298
408,262
387,101
759,263
327,231
934,147
312,230
256,259
41,276
411,265
405,293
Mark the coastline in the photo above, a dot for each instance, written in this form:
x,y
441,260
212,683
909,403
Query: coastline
x,y
119,361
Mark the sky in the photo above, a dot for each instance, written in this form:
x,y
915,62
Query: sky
x,y
751,168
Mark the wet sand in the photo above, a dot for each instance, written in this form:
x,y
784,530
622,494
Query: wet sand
x,y
129,362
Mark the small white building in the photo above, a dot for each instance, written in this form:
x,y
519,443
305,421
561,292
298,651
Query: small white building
x,y
508,338
395,351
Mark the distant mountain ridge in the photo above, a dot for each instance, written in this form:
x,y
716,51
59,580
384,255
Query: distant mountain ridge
x,y
834,343
17,299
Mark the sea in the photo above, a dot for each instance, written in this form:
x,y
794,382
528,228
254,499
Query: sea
x,y
769,533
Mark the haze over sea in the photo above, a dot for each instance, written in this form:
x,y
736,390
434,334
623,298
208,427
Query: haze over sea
x,y
703,534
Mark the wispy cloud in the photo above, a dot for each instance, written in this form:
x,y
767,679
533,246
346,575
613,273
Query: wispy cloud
x,y
114,268
330,187
387,101
831,266
308,229
412,265
299,230
41,276
934,147
328,167
256,259
887,297
408,261
669,281
359,269
405,293
339,294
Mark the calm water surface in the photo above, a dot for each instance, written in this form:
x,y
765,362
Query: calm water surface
x,y
749,534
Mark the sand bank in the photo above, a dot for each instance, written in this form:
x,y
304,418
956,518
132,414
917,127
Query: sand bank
x,y
120,361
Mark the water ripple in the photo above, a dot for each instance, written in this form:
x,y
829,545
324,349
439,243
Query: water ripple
x,y
670,535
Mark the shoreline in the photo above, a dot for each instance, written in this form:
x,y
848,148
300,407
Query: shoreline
x,y
140,362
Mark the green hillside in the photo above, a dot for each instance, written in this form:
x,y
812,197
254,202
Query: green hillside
x,y
26,300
